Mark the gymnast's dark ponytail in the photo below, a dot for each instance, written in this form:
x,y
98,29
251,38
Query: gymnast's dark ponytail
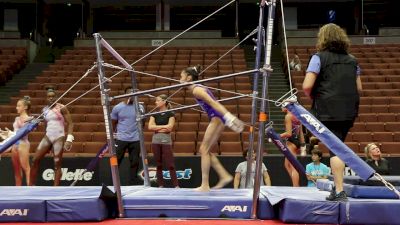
x,y
194,71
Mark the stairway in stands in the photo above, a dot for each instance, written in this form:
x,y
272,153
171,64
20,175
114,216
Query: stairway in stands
x,y
20,81
278,85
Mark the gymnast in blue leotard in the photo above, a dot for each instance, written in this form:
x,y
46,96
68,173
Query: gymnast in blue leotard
x,y
219,116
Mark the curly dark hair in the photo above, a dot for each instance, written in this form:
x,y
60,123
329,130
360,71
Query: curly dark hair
x,y
332,38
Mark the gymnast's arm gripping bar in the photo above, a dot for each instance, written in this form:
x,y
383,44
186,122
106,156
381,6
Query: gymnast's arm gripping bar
x,y
184,84
115,53
190,106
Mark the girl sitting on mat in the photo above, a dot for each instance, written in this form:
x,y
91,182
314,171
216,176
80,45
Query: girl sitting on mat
x,y
54,140
219,116
20,150
294,141
162,125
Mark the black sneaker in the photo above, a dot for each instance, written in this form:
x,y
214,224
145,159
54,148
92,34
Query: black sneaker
x,y
341,197
332,194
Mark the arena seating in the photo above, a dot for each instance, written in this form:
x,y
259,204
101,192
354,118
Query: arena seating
x,y
87,113
379,118
12,60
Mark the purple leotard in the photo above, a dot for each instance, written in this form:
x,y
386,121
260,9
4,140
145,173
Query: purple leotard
x,y
211,112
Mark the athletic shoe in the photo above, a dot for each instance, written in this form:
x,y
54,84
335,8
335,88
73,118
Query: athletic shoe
x,y
341,197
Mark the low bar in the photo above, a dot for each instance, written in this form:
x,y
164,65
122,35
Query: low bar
x,y
190,106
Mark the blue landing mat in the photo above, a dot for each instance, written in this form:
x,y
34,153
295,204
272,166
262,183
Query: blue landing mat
x,y
41,204
370,211
302,205
308,205
356,180
188,203
360,191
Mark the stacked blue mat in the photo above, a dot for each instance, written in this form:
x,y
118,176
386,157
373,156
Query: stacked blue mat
x,y
308,205
355,187
50,204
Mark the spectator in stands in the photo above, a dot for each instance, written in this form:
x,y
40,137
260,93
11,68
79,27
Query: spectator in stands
x,y
375,160
316,169
55,115
332,82
241,172
295,141
123,117
295,63
20,150
218,116
162,125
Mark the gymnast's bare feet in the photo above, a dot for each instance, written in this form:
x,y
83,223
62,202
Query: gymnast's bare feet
x,y
223,181
203,189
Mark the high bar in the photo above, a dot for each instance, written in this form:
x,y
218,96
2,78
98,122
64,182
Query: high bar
x,y
115,53
184,84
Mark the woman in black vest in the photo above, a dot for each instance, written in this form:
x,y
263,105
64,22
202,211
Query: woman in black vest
x,y
332,81
162,125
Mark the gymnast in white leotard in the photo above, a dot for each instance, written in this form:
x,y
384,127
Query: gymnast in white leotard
x,y
56,117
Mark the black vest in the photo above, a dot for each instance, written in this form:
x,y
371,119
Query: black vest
x,y
335,90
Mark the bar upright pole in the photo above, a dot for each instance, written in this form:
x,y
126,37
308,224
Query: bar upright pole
x,y
105,102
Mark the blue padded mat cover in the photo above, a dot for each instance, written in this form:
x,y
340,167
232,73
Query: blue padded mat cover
x,y
188,203
22,210
302,204
78,203
92,209
356,180
308,211
360,191
49,193
362,211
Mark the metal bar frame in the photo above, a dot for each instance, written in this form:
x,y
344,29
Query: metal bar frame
x,y
259,44
263,118
104,93
105,101
143,151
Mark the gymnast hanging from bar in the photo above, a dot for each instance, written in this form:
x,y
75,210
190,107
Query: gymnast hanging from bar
x,y
55,115
219,116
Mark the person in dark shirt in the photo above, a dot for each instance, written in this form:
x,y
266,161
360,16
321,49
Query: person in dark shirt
x,y
332,81
375,160
162,125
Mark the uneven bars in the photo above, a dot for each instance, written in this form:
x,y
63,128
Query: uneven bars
x,y
183,84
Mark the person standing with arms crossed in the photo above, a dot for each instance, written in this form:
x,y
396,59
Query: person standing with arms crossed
x,y
162,125
332,81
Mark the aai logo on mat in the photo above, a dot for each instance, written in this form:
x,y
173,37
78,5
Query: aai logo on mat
x,y
14,212
234,208
78,174
180,174
313,122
